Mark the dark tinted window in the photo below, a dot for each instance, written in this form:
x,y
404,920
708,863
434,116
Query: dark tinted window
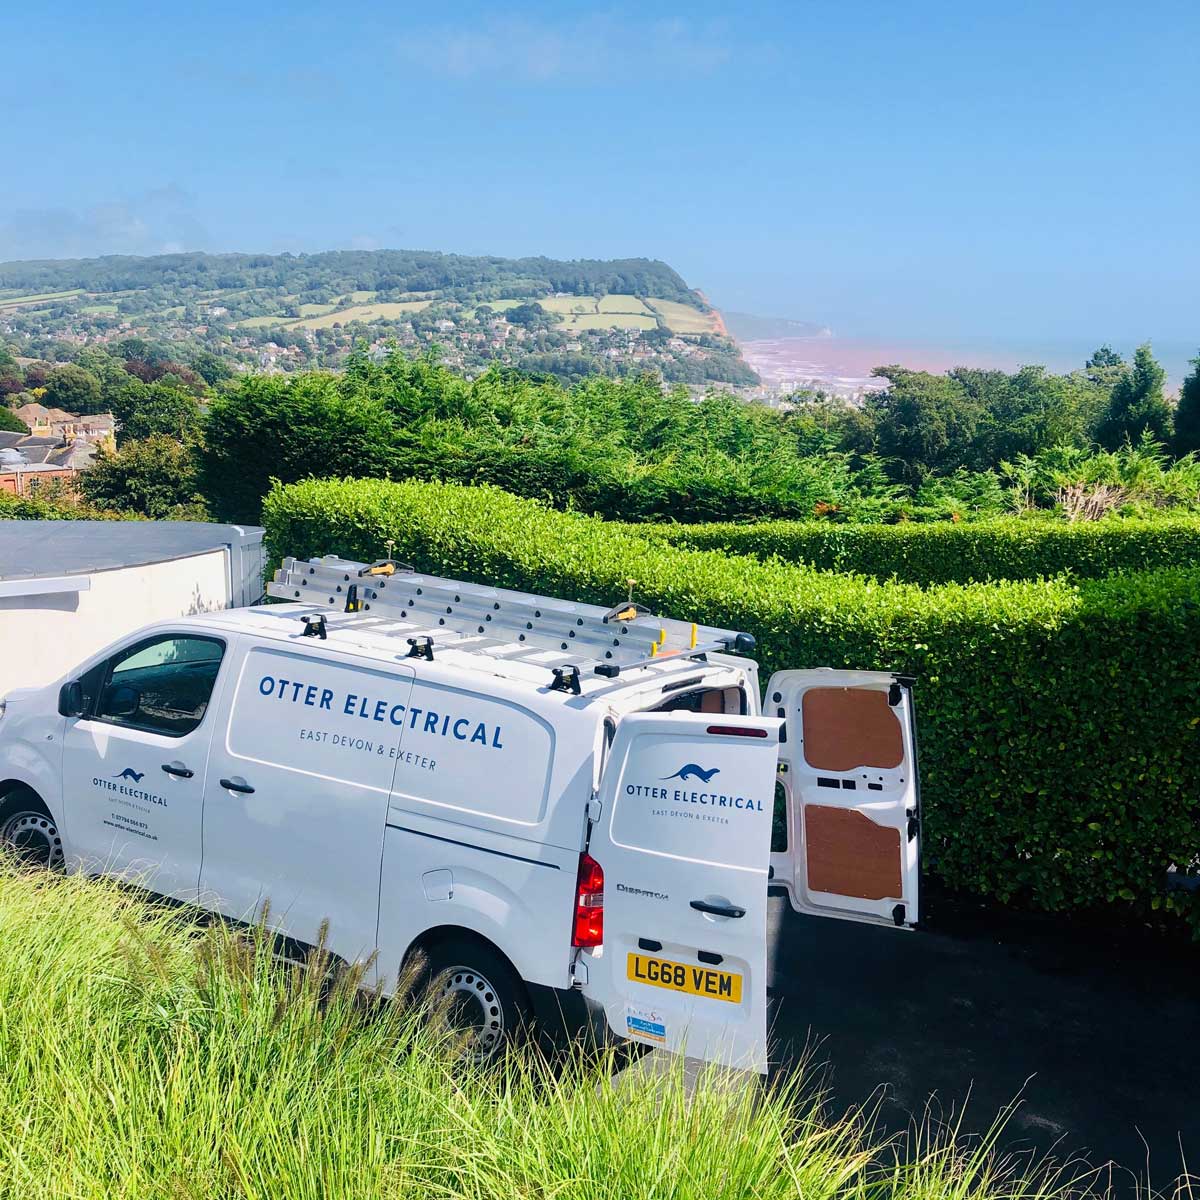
x,y
162,685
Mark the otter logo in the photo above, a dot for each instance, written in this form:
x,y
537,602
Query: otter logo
x,y
132,775
691,771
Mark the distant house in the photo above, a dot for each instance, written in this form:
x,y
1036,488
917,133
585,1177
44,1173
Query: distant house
x,y
58,446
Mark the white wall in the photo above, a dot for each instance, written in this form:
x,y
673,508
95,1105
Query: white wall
x,y
42,637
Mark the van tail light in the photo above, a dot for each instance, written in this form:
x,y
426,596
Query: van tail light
x,y
589,903
737,731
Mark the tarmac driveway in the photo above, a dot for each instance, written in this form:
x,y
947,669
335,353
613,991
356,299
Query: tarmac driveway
x,y
1100,1033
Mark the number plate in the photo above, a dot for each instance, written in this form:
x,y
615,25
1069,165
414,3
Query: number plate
x,y
691,978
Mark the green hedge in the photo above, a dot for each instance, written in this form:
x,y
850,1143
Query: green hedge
x,y
1009,548
1060,754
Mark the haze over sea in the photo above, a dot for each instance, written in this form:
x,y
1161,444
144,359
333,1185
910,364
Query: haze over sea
x,y
789,361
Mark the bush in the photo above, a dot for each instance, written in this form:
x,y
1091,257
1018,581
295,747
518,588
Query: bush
x,y
142,1056
57,506
1060,755
1010,548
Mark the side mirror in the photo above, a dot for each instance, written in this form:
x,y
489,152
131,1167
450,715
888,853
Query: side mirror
x,y
121,701
70,699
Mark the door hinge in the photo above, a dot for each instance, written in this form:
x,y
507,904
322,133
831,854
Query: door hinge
x,y
914,823
595,807
898,914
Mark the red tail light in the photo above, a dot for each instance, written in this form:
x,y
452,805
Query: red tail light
x,y
737,731
589,903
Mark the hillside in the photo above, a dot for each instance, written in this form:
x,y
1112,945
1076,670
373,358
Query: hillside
x,y
287,312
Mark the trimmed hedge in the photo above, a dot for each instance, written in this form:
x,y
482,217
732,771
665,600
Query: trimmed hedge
x,y
1008,548
1060,754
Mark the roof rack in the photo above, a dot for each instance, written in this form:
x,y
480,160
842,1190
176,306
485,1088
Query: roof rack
x,y
429,613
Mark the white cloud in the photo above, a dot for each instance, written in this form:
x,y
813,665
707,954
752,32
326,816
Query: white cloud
x,y
575,48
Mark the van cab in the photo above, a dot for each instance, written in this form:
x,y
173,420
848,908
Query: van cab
x,y
554,804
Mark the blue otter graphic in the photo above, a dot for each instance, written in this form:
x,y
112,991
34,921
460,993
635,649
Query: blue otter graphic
x,y
691,771
130,773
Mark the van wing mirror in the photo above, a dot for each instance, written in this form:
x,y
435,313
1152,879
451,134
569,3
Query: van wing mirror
x,y
70,699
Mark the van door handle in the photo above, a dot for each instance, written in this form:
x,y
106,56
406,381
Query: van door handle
x,y
177,768
718,910
237,784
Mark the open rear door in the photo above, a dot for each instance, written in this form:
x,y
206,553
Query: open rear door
x,y
848,768
683,836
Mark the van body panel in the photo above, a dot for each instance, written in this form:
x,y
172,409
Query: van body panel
x,y
315,735
517,896
849,772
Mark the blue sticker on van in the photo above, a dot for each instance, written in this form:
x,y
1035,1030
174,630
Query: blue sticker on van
x,y
639,1027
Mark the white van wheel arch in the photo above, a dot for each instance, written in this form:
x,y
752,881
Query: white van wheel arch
x,y
481,991
28,831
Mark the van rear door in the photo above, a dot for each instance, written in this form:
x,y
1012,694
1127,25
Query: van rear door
x,y
848,768
683,837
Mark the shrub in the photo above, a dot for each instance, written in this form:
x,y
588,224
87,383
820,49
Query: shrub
x,y
1060,755
55,505
1011,548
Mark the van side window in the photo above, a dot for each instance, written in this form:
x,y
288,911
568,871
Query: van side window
x,y
161,685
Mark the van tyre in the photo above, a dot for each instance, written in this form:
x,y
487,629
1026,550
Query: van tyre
x,y
28,832
485,996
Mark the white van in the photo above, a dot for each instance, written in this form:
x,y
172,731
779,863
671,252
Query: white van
x,y
554,804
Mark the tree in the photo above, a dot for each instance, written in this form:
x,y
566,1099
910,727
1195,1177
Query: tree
x,y
926,424
1187,414
72,389
144,409
155,477
1137,404
210,367
10,422
1106,356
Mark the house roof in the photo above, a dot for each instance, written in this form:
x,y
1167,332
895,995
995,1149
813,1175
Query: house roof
x,y
29,549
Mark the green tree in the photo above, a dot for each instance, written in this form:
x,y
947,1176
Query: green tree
x,y
210,367
1137,404
1103,358
289,428
73,389
155,477
9,422
142,409
1187,414
926,424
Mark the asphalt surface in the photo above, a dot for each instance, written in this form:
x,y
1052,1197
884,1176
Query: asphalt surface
x,y
1097,1034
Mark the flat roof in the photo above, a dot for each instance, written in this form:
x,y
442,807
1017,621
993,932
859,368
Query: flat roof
x,y
33,549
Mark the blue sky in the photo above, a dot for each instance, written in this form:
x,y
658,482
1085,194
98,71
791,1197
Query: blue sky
x,y
908,170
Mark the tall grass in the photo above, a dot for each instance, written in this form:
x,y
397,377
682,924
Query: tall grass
x,y
143,1056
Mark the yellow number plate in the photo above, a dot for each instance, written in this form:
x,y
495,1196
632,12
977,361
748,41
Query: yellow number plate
x,y
685,977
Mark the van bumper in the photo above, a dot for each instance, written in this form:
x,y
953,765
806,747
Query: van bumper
x,y
564,1015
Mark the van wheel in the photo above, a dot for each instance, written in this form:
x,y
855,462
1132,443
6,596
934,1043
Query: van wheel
x,y
28,832
485,997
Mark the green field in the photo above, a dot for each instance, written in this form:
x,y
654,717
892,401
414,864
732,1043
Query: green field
x,y
263,322
616,303
106,310
607,320
13,301
567,304
316,310
682,318
363,312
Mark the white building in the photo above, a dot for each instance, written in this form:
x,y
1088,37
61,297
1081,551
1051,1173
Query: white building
x,y
68,588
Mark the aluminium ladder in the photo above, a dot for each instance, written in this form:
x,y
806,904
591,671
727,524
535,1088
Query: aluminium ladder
x,y
431,613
